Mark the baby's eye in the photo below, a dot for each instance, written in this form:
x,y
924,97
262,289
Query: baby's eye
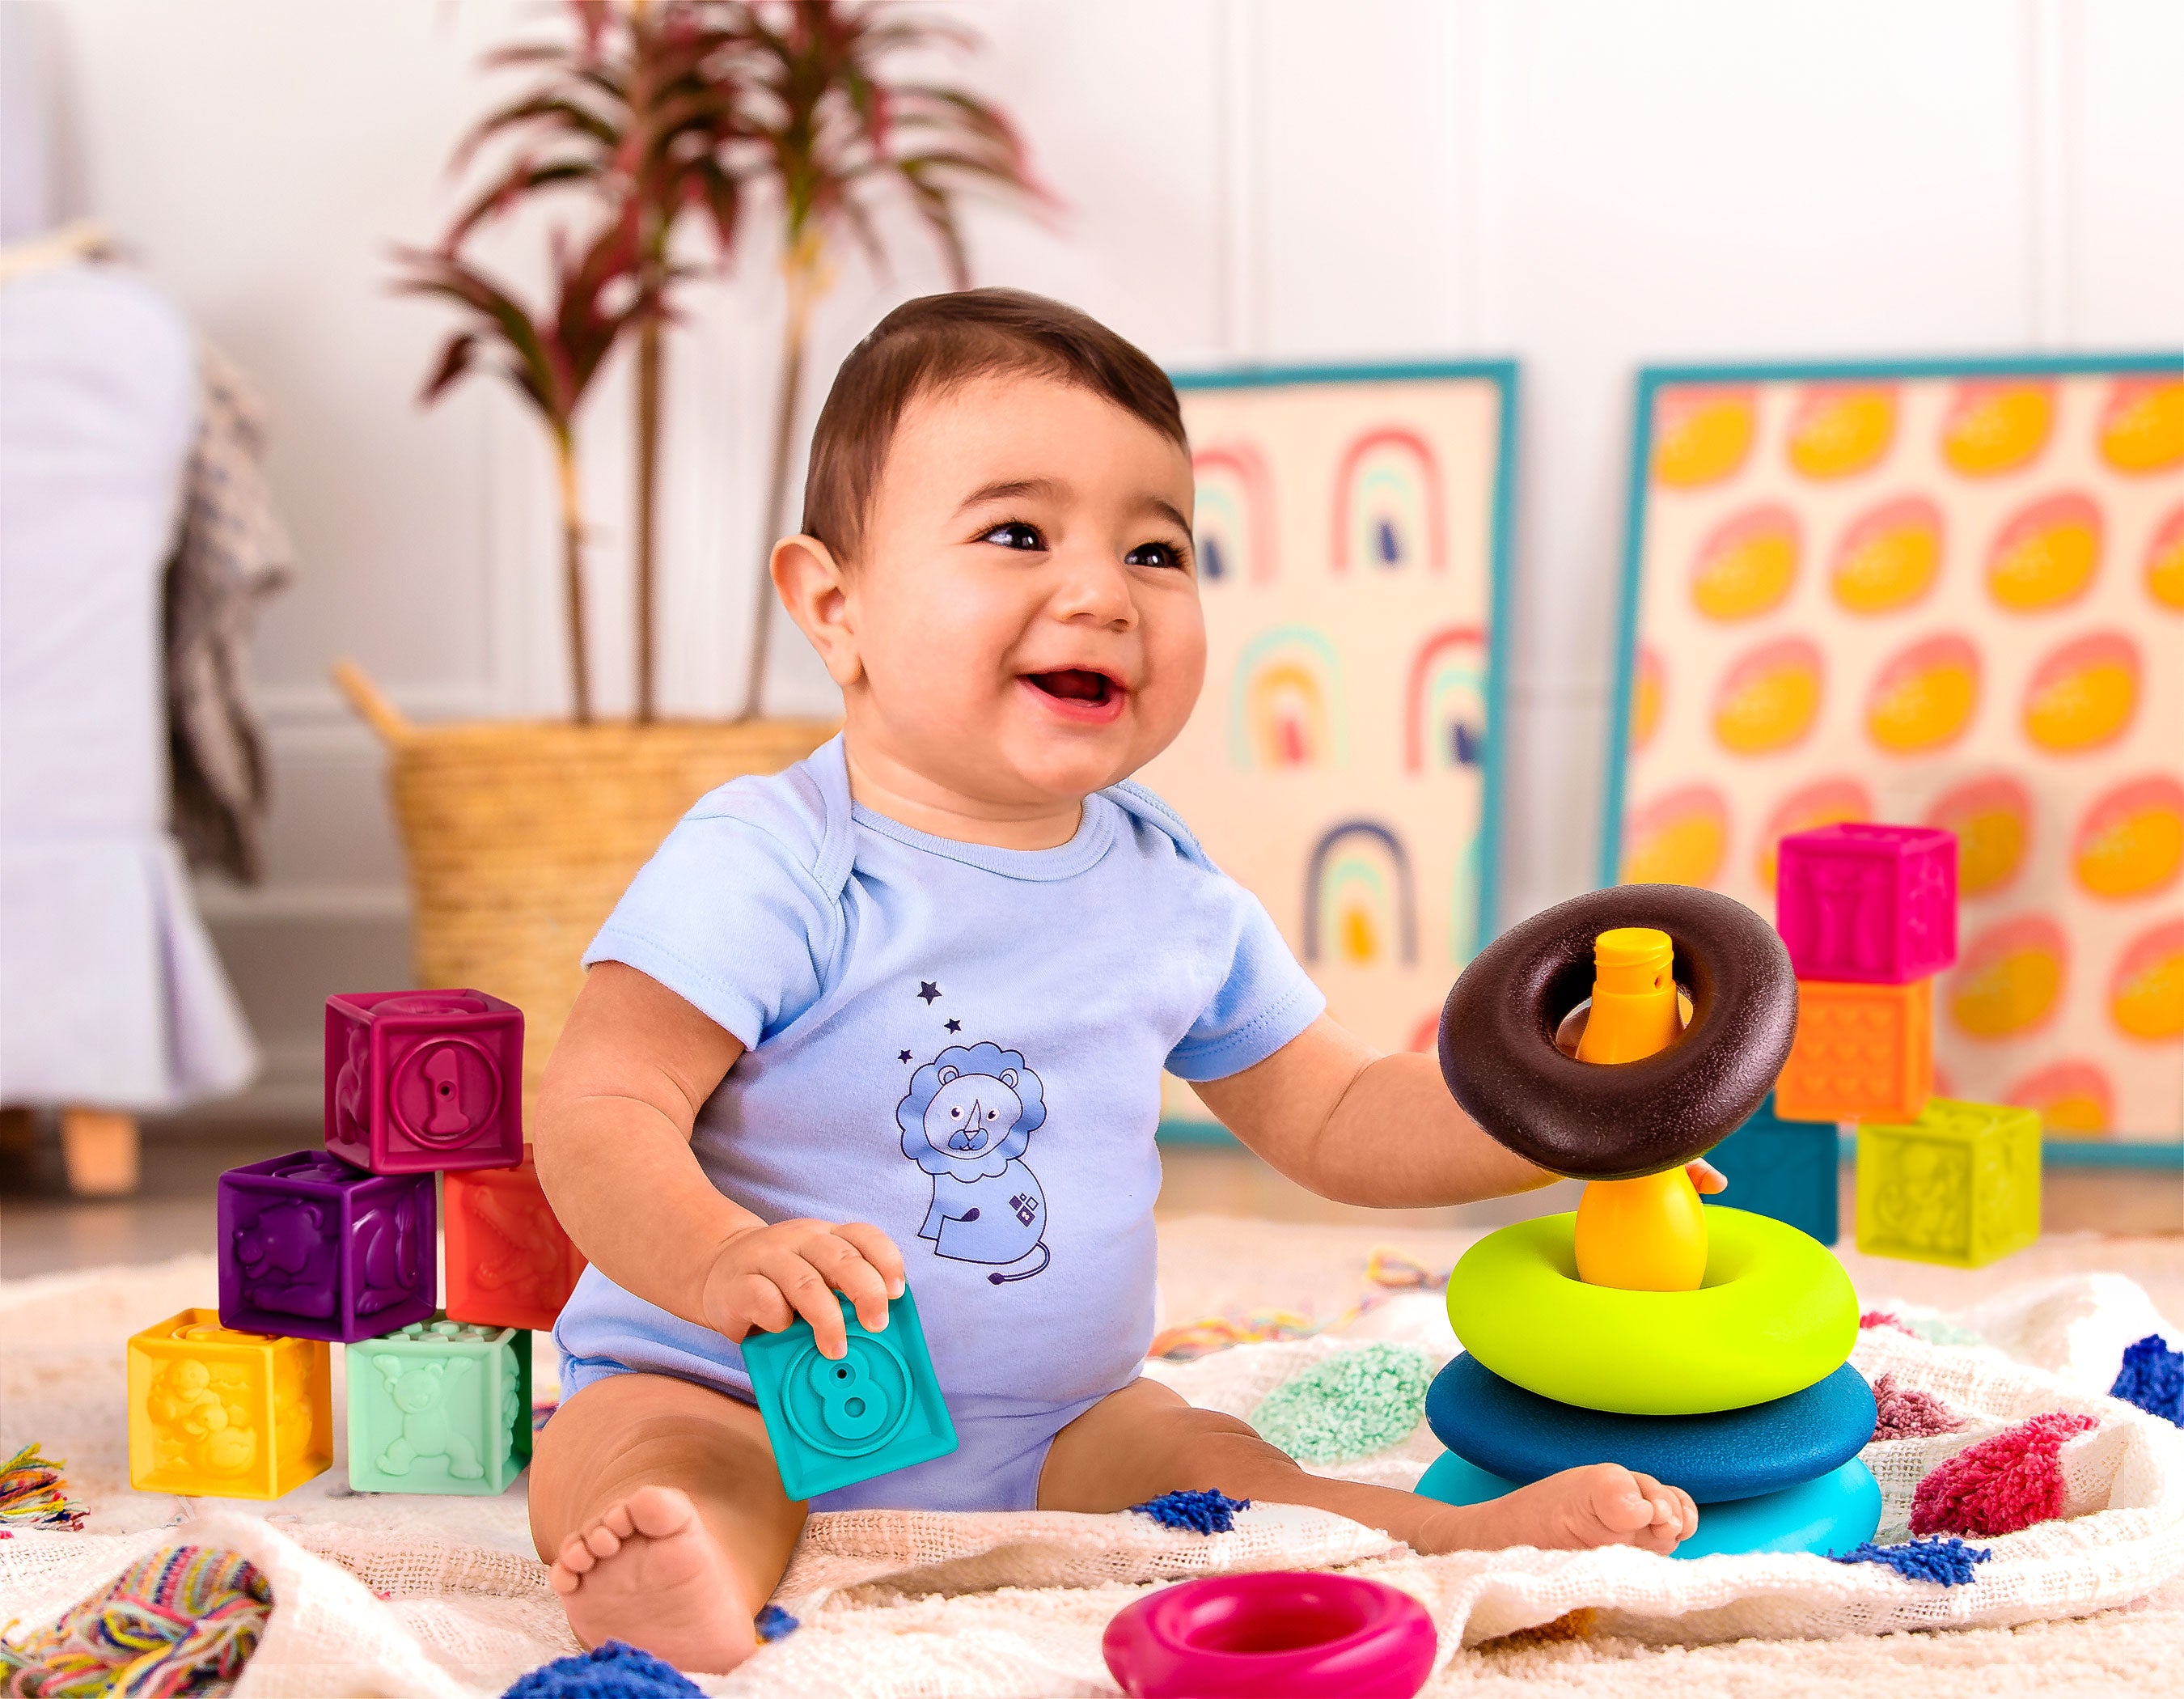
x,y
1015,534
1162,554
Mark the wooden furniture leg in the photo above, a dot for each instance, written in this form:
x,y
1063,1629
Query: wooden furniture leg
x,y
99,1148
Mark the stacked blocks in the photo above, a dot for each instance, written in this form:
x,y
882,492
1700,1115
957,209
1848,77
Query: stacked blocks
x,y
1959,1185
836,1421
420,1081
1740,1392
313,1248
340,1245
1869,915
441,1406
1784,1170
509,1264
215,1413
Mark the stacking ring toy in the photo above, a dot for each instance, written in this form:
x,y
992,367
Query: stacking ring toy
x,y
1835,1514
1623,1120
1274,1635
1777,1313
1732,1454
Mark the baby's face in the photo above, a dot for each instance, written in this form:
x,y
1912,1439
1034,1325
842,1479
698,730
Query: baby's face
x,y
1024,607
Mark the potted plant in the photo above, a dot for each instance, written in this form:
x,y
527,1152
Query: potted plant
x,y
519,836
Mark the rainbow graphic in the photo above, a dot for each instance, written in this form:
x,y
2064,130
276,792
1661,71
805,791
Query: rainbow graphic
x,y
1359,906
1445,701
1389,508
1234,521
1285,703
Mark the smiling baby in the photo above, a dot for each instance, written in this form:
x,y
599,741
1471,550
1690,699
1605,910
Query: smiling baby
x,y
899,1014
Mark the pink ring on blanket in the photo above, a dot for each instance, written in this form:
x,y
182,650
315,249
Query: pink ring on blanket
x,y
1277,1635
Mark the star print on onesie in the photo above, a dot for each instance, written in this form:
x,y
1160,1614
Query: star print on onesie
x,y
1009,1155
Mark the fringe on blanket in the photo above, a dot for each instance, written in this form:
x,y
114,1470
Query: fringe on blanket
x,y
180,1622
34,1493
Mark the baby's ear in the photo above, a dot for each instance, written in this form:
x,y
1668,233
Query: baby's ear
x,y
815,589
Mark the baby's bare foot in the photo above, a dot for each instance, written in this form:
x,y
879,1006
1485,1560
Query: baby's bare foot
x,y
647,1572
1603,1504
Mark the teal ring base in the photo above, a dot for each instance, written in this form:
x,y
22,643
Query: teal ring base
x,y
1830,1514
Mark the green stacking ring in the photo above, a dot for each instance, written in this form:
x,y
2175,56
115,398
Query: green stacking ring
x,y
1776,1314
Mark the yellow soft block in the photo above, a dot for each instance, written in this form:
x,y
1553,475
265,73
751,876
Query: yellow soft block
x,y
221,1414
1959,1185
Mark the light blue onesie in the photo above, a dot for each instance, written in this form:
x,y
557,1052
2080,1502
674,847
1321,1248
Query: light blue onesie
x,y
962,1045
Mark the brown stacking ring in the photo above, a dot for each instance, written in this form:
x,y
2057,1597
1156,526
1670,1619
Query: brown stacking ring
x,y
1615,1121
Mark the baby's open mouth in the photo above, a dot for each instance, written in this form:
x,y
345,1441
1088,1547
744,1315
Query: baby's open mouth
x,y
1075,684
1078,692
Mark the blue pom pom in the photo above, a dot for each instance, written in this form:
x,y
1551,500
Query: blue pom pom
x,y
1948,1562
612,1671
2152,1379
1202,1513
774,1621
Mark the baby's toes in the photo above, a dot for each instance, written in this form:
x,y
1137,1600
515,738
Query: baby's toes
x,y
1615,1499
602,1540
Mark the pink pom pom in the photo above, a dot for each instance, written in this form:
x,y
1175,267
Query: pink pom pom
x,y
2001,1484
1882,1318
1904,1412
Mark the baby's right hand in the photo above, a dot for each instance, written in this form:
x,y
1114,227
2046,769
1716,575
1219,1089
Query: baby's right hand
x,y
764,1278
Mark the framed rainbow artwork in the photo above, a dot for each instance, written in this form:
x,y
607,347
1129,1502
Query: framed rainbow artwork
x,y
1353,529
1941,591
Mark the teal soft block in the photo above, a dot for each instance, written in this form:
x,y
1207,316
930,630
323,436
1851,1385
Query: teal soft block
x,y
440,1406
836,1423
1785,1169
1832,1513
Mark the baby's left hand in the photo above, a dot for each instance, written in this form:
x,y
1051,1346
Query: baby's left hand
x,y
1706,1177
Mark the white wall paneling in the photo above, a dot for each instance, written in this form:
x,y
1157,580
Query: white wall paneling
x,y
1584,184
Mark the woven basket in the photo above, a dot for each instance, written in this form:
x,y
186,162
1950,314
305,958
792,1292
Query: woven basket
x,y
521,834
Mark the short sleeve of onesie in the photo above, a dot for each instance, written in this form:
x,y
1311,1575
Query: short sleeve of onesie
x,y
727,915
1264,998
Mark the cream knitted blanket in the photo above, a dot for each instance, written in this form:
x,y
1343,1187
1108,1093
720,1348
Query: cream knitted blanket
x,y
442,1597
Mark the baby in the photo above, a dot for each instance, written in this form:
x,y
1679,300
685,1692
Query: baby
x,y
899,1014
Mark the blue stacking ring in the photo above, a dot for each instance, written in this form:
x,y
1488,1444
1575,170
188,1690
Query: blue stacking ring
x,y
1730,1454
1834,1514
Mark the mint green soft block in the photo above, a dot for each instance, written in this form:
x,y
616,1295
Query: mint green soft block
x,y
440,1406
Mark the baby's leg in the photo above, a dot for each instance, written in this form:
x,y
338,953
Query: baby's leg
x,y
660,1508
1145,1441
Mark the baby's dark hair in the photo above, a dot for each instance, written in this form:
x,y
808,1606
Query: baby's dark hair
x,y
939,343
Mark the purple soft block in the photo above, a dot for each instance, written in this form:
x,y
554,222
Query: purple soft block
x,y
1875,905
419,1080
315,1249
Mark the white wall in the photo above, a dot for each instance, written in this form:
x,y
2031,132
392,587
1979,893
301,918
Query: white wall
x,y
1585,184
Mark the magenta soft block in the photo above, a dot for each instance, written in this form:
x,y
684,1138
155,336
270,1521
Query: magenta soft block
x,y
313,1249
420,1080
1872,903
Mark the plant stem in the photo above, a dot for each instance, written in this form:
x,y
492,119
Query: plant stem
x,y
572,572
648,400
801,267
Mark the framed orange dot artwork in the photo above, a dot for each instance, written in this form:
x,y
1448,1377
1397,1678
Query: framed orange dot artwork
x,y
1353,534
1940,592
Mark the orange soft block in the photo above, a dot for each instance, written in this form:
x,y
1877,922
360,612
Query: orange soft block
x,y
509,1265
217,1413
1863,1053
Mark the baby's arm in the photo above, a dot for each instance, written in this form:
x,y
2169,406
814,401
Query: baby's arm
x,y
622,1095
1335,1115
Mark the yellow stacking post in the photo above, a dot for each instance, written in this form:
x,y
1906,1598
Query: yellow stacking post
x,y
1648,1234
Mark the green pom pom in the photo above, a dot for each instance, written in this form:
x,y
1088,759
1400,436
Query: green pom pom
x,y
1348,1406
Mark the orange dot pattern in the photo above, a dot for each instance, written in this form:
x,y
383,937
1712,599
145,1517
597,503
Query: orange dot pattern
x,y
1950,599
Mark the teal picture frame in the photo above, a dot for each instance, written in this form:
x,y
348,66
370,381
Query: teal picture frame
x,y
1505,374
1650,379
